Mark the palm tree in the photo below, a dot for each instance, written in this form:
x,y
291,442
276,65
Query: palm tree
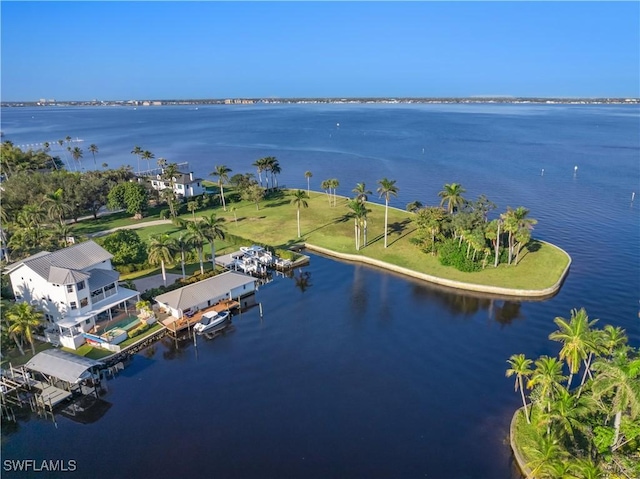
x,y
275,171
161,249
361,192
546,377
222,172
212,228
56,206
76,154
260,165
147,155
94,149
576,338
334,183
359,212
521,367
308,175
326,187
452,195
545,454
137,151
299,199
182,245
197,239
618,381
387,188
192,206
23,318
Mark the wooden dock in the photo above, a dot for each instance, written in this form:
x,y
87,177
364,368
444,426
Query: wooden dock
x,y
175,325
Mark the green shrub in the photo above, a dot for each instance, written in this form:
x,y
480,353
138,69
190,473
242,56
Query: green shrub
x,y
452,254
138,330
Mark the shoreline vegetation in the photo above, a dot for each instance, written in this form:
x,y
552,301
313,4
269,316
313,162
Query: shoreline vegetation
x,y
586,424
327,229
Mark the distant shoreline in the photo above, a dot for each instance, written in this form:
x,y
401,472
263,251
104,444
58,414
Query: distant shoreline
x,y
311,100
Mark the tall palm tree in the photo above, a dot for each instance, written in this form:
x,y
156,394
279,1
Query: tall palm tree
x,y
276,169
452,195
260,165
269,162
546,377
161,250
183,245
147,155
334,183
359,212
576,338
308,175
299,199
23,318
326,187
76,154
197,240
361,192
618,382
222,173
387,188
521,368
212,229
94,149
137,151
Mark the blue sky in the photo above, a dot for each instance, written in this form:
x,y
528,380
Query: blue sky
x,y
182,50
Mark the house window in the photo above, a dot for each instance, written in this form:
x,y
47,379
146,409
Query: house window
x,y
69,288
197,184
87,321
80,285
84,302
180,187
73,305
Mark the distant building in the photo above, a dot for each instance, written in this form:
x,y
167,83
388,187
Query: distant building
x,y
75,287
184,184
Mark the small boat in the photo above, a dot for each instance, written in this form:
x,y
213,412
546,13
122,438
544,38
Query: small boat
x,y
210,320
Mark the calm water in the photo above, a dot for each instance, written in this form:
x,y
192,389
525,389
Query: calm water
x,y
364,374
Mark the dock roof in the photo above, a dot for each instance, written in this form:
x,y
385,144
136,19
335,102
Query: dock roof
x,y
60,364
210,288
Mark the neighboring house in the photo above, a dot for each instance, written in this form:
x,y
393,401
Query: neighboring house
x,y
75,287
184,184
205,293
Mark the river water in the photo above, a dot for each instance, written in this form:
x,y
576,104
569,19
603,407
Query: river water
x,y
362,373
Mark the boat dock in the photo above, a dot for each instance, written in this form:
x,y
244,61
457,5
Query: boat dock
x,y
175,325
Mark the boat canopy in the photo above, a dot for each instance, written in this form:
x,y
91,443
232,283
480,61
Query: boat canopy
x,y
63,365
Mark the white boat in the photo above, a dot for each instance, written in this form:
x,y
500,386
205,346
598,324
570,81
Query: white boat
x,y
210,320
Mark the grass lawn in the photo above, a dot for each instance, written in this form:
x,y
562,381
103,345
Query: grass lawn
x,y
14,357
274,223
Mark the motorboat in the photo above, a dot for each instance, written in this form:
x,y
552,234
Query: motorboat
x,y
210,320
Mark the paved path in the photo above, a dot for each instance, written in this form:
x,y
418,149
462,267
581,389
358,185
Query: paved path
x,y
129,227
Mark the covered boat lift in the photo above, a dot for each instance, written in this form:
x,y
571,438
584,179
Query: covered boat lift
x,y
58,366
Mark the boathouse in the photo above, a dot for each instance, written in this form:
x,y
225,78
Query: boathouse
x,y
206,293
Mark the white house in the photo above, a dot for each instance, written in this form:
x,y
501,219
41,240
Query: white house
x,y
184,185
205,293
75,287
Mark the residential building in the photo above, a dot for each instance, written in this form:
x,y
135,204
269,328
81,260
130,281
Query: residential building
x,y
76,288
184,184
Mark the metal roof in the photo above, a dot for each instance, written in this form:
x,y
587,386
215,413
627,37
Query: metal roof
x,y
65,276
77,257
62,365
210,288
102,277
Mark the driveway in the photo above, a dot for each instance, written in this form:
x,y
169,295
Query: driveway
x,y
144,284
